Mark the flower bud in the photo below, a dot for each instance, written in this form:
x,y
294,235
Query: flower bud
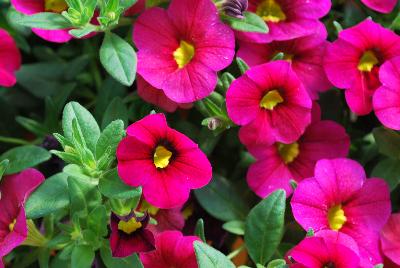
x,y
235,8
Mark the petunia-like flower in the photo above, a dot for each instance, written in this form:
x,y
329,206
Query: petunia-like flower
x,y
305,53
10,59
279,163
14,190
157,97
325,249
130,234
352,62
30,7
271,104
386,100
339,198
286,19
182,48
166,163
390,238
383,6
172,250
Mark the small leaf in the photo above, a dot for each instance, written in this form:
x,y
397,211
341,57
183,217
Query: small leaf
x,y
82,257
243,67
199,230
389,170
279,263
234,227
264,227
24,157
388,142
110,262
208,257
110,137
113,187
250,23
115,110
43,20
118,58
3,166
97,221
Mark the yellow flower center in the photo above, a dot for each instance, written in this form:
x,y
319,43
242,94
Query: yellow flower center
x,y
288,152
271,100
368,61
11,226
183,54
336,217
56,6
130,226
270,11
161,157
152,210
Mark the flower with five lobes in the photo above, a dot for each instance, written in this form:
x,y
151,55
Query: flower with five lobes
x,y
14,190
339,198
383,6
305,53
270,103
166,163
10,59
353,61
286,19
386,100
172,250
279,163
182,48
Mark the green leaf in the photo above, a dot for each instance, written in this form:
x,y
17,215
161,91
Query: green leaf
x,y
115,110
243,67
24,157
279,263
264,227
199,230
112,187
388,142
389,170
83,195
82,32
110,137
234,227
132,261
87,124
222,200
118,58
3,167
82,257
50,196
97,221
208,257
250,23
43,20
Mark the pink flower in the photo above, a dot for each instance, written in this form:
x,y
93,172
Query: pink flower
x,y
172,250
30,7
166,163
353,61
386,100
157,97
130,234
390,238
10,59
279,163
339,198
286,19
270,103
182,48
305,53
136,9
383,6
14,190
326,249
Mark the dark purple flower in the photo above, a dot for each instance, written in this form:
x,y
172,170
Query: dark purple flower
x,y
235,8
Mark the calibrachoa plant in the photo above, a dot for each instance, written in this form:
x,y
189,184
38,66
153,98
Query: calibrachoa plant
x,y
199,133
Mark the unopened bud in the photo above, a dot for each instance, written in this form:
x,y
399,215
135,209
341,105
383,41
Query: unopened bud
x,y
214,123
235,8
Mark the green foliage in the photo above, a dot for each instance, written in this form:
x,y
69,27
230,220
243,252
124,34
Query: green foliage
x,y
199,230
250,23
45,20
234,227
208,257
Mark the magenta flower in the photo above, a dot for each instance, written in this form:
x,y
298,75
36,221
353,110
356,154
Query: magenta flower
x,y
390,238
130,234
14,190
172,250
30,7
157,97
182,48
339,198
353,61
166,163
270,103
286,19
305,53
326,249
383,6
279,163
136,9
10,59
386,100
